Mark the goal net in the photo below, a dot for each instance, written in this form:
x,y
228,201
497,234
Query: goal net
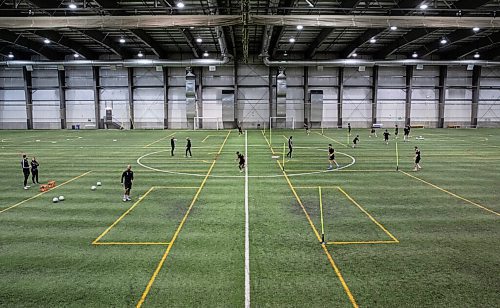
x,y
281,123
206,123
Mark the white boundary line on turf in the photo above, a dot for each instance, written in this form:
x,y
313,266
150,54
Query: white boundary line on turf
x,y
247,235
353,161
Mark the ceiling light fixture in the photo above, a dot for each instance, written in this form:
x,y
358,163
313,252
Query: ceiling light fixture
x,y
373,40
310,3
423,6
180,4
122,40
300,27
415,54
205,54
140,54
354,55
72,6
443,41
476,55
292,40
46,41
199,40
393,28
285,54
10,55
76,55
476,29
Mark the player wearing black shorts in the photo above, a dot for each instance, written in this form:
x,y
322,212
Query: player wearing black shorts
x,y
240,132
290,147
349,128
241,161
396,131
127,178
34,170
188,147
417,159
386,137
355,141
25,164
331,157
406,133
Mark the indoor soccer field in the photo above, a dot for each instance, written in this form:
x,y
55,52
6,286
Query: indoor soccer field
x,y
285,232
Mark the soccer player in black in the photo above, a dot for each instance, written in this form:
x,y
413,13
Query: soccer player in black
x,y
417,159
386,137
331,157
188,147
355,141
34,170
307,128
25,164
349,128
241,161
172,145
373,132
127,178
290,147
396,131
406,132
240,131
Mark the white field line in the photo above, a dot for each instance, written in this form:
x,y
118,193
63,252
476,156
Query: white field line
x,y
247,239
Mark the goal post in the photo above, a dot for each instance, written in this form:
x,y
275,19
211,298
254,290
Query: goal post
x,y
281,123
206,123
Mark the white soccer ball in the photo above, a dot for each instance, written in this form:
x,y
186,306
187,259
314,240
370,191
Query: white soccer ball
x,y
55,200
93,187
99,183
61,198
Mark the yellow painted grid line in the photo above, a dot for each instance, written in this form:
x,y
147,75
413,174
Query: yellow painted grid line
x,y
131,243
369,215
361,242
146,146
42,193
176,234
122,216
451,194
333,140
175,187
332,262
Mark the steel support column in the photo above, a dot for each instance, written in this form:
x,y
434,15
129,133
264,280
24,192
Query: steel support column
x,y
340,98
130,83
29,97
235,72
199,95
61,76
374,94
97,96
476,85
165,97
270,95
443,76
307,102
409,82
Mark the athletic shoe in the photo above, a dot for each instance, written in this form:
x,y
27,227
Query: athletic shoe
x,y
330,168
124,199
26,187
128,199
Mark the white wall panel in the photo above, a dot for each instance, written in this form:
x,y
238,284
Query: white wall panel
x,y
353,77
177,107
79,77
222,77
295,105
148,108
254,75
356,108
253,106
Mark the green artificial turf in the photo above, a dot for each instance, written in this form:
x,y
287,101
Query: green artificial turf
x,y
446,225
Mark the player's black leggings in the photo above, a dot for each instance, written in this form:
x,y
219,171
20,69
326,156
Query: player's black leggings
x,y
188,150
26,176
172,151
34,175
289,154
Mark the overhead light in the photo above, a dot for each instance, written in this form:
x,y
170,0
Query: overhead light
x,y
191,27
180,4
443,41
309,3
46,41
354,55
476,29
76,55
205,54
300,27
72,6
122,40
140,54
393,28
373,40
423,6
199,40
285,54
415,54
10,55
476,55
292,40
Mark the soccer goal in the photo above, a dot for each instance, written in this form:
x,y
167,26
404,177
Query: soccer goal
x,y
281,123
207,123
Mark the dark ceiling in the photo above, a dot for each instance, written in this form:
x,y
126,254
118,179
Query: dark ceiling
x,y
310,42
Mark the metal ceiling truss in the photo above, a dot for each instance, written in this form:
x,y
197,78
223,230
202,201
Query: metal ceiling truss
x,y
35,46
467,49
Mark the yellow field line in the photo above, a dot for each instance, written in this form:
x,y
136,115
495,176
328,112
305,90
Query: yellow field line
x,y
175,187
329,256
370,216
123,215
333,140
205,138
131,243
146,146
362,242
176,234
451,194
269,144
38,195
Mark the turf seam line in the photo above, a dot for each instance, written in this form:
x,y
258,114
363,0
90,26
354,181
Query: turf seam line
x,y
42,193
451,194
176,234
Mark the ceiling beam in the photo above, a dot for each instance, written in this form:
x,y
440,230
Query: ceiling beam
x,y
467,49
37,47
278,31
149,41
351,48
107,42
318,41
74,46
6,48
403,41
491,54
349,5
470,4
452,38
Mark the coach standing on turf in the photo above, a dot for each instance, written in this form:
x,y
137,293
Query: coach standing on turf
x,y
172,145
25,164
188,147
127,178
34,170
